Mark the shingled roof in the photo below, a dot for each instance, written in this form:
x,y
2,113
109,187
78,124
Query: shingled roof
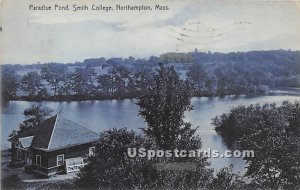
x,y
58,132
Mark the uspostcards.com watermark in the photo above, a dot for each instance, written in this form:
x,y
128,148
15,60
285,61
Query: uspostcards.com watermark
x,y
208,153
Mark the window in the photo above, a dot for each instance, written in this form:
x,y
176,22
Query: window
x,y
92,151
60,160
38,160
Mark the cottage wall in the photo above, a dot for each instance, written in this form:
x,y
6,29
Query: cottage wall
x,y
44,157
49,159
14,160
17,156
70,152
13,152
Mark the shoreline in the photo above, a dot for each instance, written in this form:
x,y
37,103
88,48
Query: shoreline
x,y
81,99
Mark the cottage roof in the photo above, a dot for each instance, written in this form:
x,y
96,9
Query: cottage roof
x,y
58,132
67,133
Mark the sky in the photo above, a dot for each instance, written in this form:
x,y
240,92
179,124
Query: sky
x,y
218,26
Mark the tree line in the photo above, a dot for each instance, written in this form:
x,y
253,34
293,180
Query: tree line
x,y
211,74
55,82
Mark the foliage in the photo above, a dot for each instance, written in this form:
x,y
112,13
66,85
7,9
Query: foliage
x,y
118,75
226,179
31,83
198,76
111,168
276,161
9,83
211,74
66,88
34,116
83,81
12,182
53,74
105,82
163,105
272,133
142,77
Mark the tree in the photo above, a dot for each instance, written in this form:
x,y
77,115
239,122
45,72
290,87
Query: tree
x,y
271,132
227,83
226,179
143,77
105,83
198,76
131,86
121,78
119,74
83,81
129,61
163,105
112,169
34,116
9,83
31,83
115,61
53,74
67,86
276,161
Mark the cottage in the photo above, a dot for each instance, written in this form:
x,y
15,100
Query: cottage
x,y
58,145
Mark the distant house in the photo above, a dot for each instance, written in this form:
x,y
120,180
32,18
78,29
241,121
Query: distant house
x,y
58,145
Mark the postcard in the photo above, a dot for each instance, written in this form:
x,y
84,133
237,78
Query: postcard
x,y
150,94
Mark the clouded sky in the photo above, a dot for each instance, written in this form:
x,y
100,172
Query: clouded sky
x,y
68,36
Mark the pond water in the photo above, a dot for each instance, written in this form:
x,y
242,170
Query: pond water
x,y
101,115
